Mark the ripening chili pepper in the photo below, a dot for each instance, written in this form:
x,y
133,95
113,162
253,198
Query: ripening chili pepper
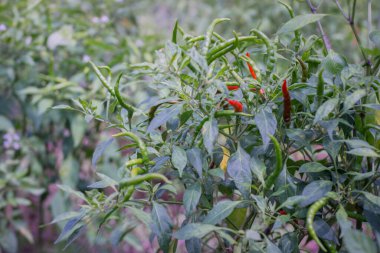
x,y
232,87
287,103
235,104
282,212
253,74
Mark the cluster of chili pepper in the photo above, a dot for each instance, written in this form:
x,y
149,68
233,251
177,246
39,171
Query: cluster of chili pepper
x,y
234,103
254,76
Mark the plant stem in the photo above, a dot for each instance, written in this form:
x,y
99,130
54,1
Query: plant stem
x,y
325,38
351,21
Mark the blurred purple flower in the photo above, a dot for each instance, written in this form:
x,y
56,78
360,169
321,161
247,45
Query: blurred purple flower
x,y
86,58
139,43
3,27
66,132
100,20
95,20
104,19
11,140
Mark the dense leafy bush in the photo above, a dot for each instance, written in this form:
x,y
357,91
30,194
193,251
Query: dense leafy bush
x,y
240,152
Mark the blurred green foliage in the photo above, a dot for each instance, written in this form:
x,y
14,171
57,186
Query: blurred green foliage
x,y
44,48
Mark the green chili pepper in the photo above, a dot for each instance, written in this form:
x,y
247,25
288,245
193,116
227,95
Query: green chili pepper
x,y
225,50
209,34
174,35
138,161
305,73
139,179
224,113
270,50
126,106
140,143
272,177
313,209
320,88
230,44
102,78
128,193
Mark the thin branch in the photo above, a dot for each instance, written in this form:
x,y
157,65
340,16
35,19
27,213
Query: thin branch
x,y
351,21
341,10
326,40
369,20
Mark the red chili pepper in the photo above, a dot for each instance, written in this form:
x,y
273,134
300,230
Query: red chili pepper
x,y
253,74
235,104
287,103
282,212
232,87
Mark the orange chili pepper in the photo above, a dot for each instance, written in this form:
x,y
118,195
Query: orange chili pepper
x,y
253,74
235,104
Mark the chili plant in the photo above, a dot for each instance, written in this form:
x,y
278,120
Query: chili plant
x,y
295,159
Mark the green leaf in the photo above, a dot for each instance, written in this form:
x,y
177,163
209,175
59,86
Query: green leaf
x,y
220,211
78,128
353,98
179,159
258,169
372,198
334,63
8,241
272,248
300,21
266,123
238,168
69,227
191,197
357,143
63,217
315,191
289,243
5,124
162,225
67,189
312,167
210,132
162,117
367,152
342,218
325,109
74,235
174,33
99,150
194,230
141,216
374,36
194,156
358,176
356,241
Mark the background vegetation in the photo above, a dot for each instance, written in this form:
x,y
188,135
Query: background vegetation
x,y
45,47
